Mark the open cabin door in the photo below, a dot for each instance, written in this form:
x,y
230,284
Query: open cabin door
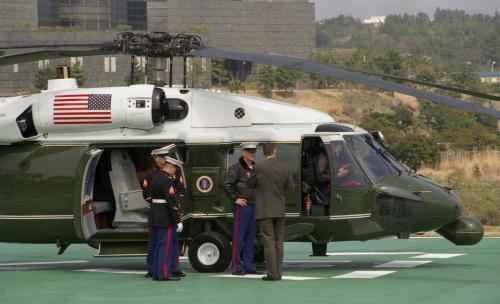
x,y
333,183
88,208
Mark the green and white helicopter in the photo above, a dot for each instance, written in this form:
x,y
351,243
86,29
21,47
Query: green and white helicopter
x,y
72,159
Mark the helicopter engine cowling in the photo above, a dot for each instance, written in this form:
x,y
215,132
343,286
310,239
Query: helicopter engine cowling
x,y
82,110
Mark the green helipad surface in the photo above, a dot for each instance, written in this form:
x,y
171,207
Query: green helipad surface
x,y
384,271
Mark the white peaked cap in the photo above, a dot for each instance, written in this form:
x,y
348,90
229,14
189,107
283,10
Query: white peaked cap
x,y
173,161
163,150
249,145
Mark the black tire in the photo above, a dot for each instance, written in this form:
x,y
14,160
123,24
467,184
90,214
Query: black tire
x,y
215,254
319,249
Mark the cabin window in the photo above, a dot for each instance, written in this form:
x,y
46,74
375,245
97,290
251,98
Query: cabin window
x,y
347,171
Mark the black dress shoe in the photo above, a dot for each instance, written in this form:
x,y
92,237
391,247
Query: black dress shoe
x,y
266,278
173,279
239,273
169,279
148,275
254,272
179,274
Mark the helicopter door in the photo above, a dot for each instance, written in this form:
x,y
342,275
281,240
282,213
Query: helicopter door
x,y
351,196
88,208
314,177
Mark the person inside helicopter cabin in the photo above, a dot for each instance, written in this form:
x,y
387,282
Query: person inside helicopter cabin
x,y
236,188
342,163
161,190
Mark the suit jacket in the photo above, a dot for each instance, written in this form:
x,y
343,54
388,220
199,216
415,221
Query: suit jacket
x,y
272,179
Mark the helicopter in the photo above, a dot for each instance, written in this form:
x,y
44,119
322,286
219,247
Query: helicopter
x,y
71,159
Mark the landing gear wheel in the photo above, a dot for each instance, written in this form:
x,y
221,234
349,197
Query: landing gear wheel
x,y
209,252
319,249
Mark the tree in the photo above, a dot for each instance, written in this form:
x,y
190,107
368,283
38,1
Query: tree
x,y
218,73
78,73
139,75
417,150
285,79
42,78
266,80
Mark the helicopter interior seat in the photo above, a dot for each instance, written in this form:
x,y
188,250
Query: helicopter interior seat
x,y
131,208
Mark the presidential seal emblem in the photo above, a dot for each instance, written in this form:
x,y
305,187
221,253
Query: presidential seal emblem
x,y
204,184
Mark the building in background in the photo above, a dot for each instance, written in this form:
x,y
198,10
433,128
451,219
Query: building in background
x,y
489,77
283,27
375,21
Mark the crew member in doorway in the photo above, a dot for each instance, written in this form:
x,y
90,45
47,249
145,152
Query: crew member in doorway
x,y
164,219
235,186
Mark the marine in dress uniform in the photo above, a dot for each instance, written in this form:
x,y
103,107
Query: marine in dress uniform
x,y
178,181
163,219
244,211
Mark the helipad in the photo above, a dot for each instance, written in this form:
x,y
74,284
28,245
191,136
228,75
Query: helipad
x,y
384,271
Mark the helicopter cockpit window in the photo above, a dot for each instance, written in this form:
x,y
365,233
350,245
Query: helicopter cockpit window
x,y
375,164
347,171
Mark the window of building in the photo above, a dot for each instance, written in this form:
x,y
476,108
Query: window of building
x,y
110,64
203,64
15,68
43,64
141,61
74,60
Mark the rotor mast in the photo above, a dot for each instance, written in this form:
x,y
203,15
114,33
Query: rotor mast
x,y
158,46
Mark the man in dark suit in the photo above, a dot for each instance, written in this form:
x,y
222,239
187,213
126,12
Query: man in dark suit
x,y
272,179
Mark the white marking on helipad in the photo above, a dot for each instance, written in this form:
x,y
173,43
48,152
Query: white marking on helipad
x,y
373,253
438,256
363,275
113,270
42,263
317,261
402,264
259,276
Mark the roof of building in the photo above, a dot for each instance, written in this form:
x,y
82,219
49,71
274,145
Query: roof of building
x,y
488,74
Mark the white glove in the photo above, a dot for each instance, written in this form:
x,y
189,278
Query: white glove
x,y
179,228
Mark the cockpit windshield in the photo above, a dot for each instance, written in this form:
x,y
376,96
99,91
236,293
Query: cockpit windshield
x,y
375,159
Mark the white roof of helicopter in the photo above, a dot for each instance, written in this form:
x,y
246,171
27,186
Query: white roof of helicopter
x,y
213,117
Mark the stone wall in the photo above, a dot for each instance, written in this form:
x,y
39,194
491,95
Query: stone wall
x,y
283,27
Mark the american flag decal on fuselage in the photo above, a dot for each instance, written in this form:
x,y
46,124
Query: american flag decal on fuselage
x,y
82,109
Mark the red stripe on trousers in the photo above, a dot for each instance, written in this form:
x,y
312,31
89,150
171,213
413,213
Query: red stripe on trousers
x,y
165,261
235,238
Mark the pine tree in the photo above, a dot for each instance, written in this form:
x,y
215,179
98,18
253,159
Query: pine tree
x,y
266,80
78,73
42,78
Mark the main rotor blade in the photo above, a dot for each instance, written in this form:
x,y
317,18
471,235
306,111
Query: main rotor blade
x,y
54,52
333,71
422,82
